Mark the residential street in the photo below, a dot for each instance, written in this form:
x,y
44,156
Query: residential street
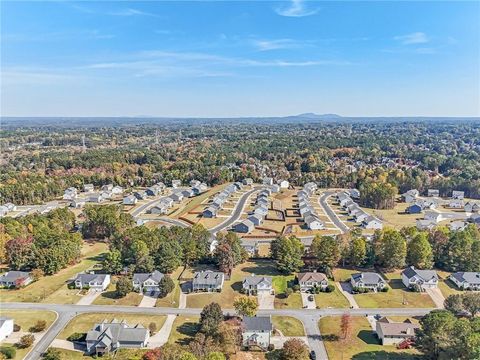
x,y
322,200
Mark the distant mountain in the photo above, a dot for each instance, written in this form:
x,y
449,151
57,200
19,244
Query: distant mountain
x,y
313,116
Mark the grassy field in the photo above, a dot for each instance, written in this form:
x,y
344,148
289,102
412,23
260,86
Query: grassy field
x,y
294,301
335,299
197,200
72,355
184,329
85,322
397,297
27,318
109,297
172,299
289,326
20,354
45,289
446,286
341,274
395,217
360,344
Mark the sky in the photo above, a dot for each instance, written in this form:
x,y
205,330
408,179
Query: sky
x,y
240,58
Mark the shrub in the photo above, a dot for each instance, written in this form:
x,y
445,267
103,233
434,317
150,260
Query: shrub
x,y
385,289
8,351
330,288
52,354
288,292
123,287
16,328
271,347
39,326
25,341
166,286
152,327
77,336
71,285
296,288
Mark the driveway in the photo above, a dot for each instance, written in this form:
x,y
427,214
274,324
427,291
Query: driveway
x,y
149,300
437,297
307,304
89,297
346,289
68,345
265,300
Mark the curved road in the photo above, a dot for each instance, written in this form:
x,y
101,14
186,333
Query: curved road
x,y
309,317
322,200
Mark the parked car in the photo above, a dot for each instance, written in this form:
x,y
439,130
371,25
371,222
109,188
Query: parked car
x,y
313,356
311,298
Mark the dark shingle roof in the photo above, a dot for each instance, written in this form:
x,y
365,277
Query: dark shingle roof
x,y
257,323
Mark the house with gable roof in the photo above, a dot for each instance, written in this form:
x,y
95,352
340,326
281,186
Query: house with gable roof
x,y
419,279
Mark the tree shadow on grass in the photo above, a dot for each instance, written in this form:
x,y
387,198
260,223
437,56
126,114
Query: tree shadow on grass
x,y
262,268
397,284
330,337
368,337
236,286
110,295
188,329
385,355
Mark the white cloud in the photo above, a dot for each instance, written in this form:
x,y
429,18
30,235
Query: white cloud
x,y
130,12
413,38
265,45
297,8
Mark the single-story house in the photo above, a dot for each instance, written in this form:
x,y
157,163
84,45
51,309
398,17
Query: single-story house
x,y
188,193
245,226
368,280
414,209
372,222
361,216
152,191
456,194
275,188
97,198
466,280
208,280
97,282
108,337
347,200
420,279
10,206
258,284
130,200
166,202
70,194
310,280
256,332
3,211
117,190
433,216
194,183
15,278
256,219
313,222
147,282
6,327
238,185
433,193
393,333
261,210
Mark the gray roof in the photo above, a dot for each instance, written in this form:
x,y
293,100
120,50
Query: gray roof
x,y
14,275
425,275
398,329
114,331
208,277
257,323
367,278
155,276
255,280
469,277
86,278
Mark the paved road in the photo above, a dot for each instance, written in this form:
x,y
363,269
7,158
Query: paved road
x,y
308,317
322,200
237,212
142,208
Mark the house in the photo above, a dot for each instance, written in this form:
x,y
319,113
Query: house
x,y
210,212
257,284
419,279
117,190
3,211
414,209
256,332
267,181
107,187
238,185
108,337
460,195
313,222
247,181
371,222
147,282
10,206
6,327
410,196
97,282
361,216
347,203
284,184
159,209
433,193
434,216
176,183
78,203
152,191
368,280
177,197
251,247
208,280
354,193
455,204
88,188
310,280
393,333
188,193
70,194
472,207
140,195
466,280
256,219
347,200
457,225
130,200
194,183
245,226
474,219
15,279
261,210
275,188
197,190
166,202
424,224
96,198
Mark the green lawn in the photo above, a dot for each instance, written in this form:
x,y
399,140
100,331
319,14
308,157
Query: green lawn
x,y
335,299
341,274
397,297
64,295
45,289
172,299
294,301
361,344
85,322
72,355
109,297
27,318
20,354
184,329
289,326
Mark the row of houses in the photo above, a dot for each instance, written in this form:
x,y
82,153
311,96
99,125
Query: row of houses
x,y
360,216
257,216
7,208
275,186
106,192
411,195
432,218
433,201
308,213
218,201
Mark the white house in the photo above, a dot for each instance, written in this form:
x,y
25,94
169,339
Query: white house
x,y
247,181
78,203
147,282
117,190
88,187
434,216
410,196
456,194
159,209
256,219
354,193
284,184
10,206
419,279
176,183
97,282
70,194
256,332
472,207
107,187
313,222
6,327
208,280
466,280
457,225
368,280
15,278
257,284
372,223
310,280
267,181
130,200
